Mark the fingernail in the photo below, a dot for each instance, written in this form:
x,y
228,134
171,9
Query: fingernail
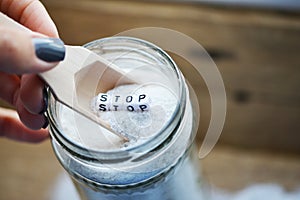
x,y
49,49
45,100
46,123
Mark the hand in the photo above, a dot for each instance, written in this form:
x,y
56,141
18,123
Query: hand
x,y
20,60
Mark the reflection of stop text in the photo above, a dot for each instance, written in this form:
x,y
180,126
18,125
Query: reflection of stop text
x,y
132,103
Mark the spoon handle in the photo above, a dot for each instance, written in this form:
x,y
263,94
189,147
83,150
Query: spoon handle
x,y
63,79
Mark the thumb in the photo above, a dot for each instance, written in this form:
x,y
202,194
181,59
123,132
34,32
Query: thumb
x,y
20,53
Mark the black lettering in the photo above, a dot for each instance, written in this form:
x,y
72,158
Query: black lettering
x,y
129,99
130,108
116,107
103,97
117,97
143,107
102,107
142,96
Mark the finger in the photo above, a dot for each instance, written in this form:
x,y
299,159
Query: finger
x,y
18,52
12,128
31,93
10,84
32,121
32,14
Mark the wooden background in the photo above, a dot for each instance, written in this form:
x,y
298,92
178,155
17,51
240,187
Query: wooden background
x,y
257,53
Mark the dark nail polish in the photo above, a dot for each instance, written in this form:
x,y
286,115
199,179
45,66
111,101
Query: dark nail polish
x,y
45,100
49,49
46,123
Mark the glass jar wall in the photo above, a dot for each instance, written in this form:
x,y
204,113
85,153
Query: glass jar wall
x,y
156,160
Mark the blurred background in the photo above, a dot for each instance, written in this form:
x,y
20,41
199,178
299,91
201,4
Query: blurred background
x,y
256,46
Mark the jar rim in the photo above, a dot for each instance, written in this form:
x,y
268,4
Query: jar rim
x,y
130,152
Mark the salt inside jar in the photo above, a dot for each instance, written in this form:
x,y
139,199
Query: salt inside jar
x,y
156,162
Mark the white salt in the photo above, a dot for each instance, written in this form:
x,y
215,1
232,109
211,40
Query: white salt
x,y
138,126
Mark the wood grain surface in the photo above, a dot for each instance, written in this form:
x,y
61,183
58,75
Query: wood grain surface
x,y
257,53
32,172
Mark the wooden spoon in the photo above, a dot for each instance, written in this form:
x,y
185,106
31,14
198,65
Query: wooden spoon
x,y
80,77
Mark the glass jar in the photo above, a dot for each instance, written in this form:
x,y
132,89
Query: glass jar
x,y
159,164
